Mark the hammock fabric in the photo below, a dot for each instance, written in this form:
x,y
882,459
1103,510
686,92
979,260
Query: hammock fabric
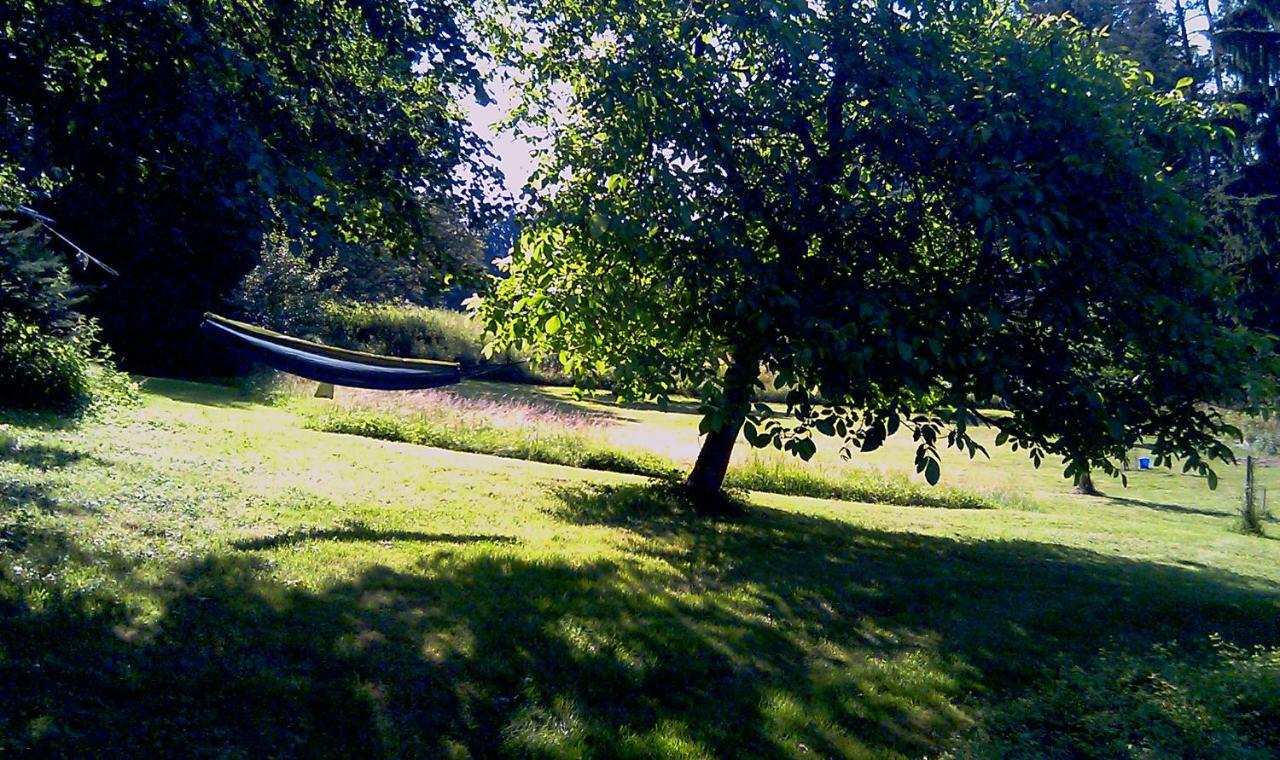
x,y
338,366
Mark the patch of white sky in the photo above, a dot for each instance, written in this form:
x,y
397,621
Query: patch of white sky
x,y
516,154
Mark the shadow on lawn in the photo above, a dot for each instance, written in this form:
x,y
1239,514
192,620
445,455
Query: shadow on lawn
x,y
767,634
204,394
43,456
1174,508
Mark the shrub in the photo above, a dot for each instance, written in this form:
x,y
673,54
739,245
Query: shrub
x,y
35,286
43,371
38,369
288,288
50,356
1262,436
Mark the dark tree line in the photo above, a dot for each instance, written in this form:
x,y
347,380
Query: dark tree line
x,y
1248,43
169,137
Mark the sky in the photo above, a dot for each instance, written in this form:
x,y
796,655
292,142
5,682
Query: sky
x,y
515,157
514,154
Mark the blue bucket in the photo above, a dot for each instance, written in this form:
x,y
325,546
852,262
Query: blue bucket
x,y
1144,463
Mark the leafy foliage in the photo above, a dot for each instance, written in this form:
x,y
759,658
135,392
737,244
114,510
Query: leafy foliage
x,y
48,351
288,288
171,131
899,212
1140,30
35,286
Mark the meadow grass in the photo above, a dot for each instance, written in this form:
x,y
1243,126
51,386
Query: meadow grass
x,y
519,429
206,576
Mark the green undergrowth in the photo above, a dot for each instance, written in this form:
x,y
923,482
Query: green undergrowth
x,y
551,444
419,332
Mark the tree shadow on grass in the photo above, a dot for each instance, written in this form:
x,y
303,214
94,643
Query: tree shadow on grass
x,y
204,394
1163,507
765,634
42,456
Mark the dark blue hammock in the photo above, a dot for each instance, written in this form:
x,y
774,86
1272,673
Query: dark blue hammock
x,y
337,366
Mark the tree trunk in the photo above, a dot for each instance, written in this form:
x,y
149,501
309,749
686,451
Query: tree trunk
x,y
1213,48
1180,15
1085,486
709,470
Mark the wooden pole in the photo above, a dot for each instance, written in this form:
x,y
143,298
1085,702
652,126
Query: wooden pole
x,y
1252,523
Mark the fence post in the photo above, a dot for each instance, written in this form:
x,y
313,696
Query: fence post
x,y
1252,523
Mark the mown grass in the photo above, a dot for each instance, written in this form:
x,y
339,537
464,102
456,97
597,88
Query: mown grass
x,y
207,577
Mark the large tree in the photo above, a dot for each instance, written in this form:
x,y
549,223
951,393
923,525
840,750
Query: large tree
x,y
902,211
168,136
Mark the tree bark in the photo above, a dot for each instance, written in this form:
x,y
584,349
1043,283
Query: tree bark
x,y
1180,15
1085,486
709,470
1213,48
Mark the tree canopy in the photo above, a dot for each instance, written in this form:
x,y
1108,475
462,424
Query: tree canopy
x,y
168,136
903,212
1140,30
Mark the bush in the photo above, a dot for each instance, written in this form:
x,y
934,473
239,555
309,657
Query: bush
x,y
1262,436
288,288
35,286
38,369
422,333
1224,703
43,371
50,357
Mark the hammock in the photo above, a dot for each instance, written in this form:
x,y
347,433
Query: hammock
x,y
336,366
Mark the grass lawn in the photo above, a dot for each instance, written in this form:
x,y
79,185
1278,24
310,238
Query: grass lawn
x,y
206,576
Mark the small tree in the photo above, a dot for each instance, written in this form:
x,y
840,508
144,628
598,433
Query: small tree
x,y
902,211
288,288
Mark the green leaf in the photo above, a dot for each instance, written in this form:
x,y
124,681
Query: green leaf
x,y
1184,82
553,324
932,471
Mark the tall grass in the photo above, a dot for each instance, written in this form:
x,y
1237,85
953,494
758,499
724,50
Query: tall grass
x,y
522,431
796,478
463,432
422,333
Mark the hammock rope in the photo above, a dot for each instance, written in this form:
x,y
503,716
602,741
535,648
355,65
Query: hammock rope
x,y
338,366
